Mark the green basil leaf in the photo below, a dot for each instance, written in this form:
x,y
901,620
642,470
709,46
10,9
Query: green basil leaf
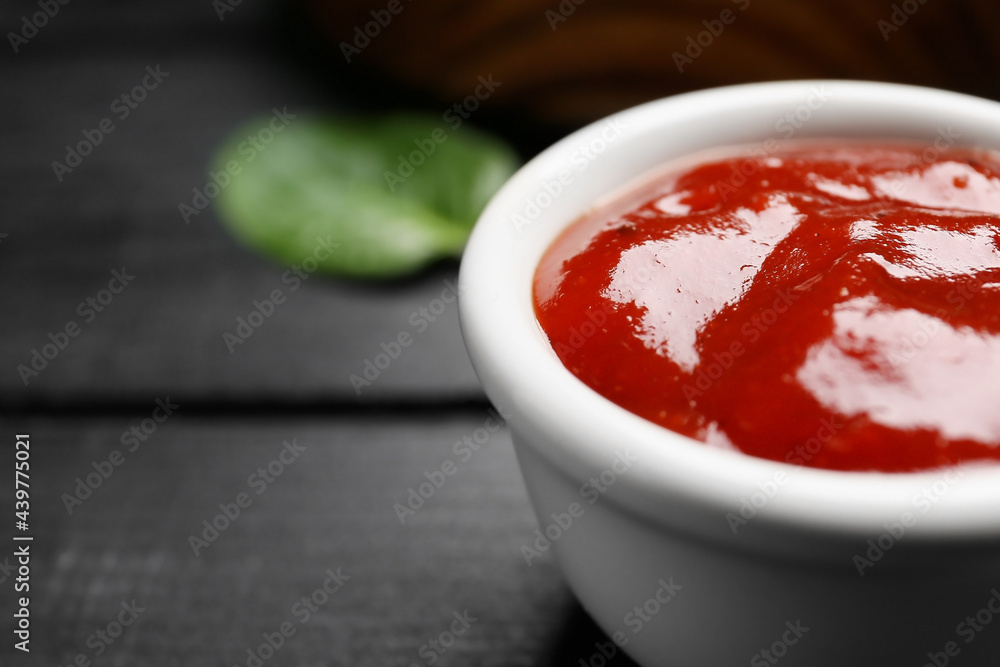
x,y
390,194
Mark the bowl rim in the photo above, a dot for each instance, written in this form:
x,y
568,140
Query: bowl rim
x,y
578,431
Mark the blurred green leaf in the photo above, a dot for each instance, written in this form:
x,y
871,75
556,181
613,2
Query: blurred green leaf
x,y
393,193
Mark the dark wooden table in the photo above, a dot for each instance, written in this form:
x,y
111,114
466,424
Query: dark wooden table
x,y
261,511
273,430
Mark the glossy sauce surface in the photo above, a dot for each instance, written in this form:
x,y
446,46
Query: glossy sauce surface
x,y
832,305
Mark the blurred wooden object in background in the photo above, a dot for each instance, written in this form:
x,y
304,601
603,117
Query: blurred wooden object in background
x,y
570,61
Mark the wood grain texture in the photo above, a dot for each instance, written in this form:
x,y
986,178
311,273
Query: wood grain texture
x,y
572,62
162,335
331,507
119,208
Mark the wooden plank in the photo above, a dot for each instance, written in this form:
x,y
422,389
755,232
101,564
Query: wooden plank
x,y
119,208
328,506
69,19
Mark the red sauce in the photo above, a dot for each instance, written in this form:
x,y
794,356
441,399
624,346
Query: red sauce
x,y
835,306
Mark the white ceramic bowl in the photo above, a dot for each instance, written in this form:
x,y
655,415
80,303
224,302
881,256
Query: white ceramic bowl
x,y
788,584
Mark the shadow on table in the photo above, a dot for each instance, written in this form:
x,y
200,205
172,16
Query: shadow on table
x,y
580,643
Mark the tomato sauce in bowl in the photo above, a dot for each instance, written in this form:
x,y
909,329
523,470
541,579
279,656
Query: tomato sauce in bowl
x,y
834,305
